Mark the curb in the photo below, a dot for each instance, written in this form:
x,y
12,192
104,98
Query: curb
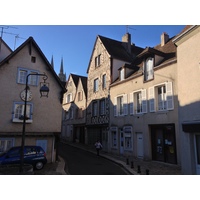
x,y
61,166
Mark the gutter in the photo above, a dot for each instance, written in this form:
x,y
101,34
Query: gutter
x,y
182,34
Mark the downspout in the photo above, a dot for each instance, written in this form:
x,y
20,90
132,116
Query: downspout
x,y
52,155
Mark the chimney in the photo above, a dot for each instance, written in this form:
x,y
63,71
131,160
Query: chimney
x,y
127,41
164,38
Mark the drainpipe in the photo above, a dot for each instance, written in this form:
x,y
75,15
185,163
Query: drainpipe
x,y
52,155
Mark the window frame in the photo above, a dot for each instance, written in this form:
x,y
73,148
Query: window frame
x,y
94,109
133,102
98,60
153,97
6,146
102,108
104,81
148,70
30,112
69,98
32,80
118,109
128,137
96,85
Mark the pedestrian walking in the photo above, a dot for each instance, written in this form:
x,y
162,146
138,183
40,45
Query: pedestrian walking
x,y
98,146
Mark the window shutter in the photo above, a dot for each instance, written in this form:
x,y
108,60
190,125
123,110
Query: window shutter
x,y
131,104
151,100
125,104
115,106
170,99
144,101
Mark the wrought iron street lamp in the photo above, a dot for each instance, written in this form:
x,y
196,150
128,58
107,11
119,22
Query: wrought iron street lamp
x,y
44,91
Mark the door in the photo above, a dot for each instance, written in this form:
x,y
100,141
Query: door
x,y
158,145
140,150
164,143
121,141
197,153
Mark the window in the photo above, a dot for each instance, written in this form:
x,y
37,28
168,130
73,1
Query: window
x,y
114,137
122,73
138,102
97,60
19,112
102,107
128,137
33,59
120,105
161,97
94,108
80,96
104,81
69,97
148,69
71,113
96,85
79,113
23,73
5,144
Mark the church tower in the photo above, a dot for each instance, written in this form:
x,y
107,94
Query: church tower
x,y
62,75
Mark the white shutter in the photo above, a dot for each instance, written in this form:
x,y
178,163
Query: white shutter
x,y
144,101
151,100
115,107
125,104
131,104
170,99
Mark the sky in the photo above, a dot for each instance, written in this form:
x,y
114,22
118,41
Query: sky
x,y
74,43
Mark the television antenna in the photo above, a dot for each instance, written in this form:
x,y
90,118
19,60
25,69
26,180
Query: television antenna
x,y
16,35
129,27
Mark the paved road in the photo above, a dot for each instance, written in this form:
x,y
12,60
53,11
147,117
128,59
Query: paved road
x,y
80,162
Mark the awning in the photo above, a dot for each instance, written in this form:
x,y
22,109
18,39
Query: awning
x,y
192,127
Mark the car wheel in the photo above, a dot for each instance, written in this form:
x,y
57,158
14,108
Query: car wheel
x,y
39,165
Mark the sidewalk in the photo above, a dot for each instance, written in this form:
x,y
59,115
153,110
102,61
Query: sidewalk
x,y
131,164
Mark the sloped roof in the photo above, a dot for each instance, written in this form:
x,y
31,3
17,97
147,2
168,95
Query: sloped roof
x,y
76,77
116,49
31,41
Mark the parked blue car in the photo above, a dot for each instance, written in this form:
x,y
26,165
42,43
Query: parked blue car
x,y
33,155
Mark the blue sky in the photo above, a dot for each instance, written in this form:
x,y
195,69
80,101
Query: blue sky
x,y
74,43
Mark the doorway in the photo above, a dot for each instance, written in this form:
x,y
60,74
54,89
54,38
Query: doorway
x,y
163,143
121,141
140,150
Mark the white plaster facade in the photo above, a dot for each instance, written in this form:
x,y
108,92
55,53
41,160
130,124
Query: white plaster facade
x,y
188,67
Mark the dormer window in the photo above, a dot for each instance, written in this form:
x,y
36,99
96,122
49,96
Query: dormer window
x,y
148,69
122,74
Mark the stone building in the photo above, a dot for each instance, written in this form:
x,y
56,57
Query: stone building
x,y
107,57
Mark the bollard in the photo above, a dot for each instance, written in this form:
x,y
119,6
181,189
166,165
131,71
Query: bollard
x,y
139,170
147,171
127,161
132,164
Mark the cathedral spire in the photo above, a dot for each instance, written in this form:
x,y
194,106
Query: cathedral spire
x,y
62,76
52,63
